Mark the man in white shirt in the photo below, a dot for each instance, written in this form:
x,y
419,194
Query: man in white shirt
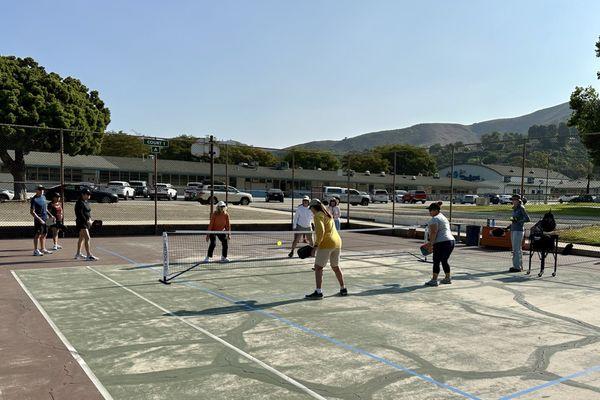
x,y
302,222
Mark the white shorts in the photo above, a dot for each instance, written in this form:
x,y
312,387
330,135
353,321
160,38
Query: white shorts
x,y
331,255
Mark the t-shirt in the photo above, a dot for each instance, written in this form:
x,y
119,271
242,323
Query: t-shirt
x,y
335,211
443,228
219,222
326,236
302,217
39,206
56,210
83,212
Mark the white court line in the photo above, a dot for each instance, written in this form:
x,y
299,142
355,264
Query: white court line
x,y
66,342
218,339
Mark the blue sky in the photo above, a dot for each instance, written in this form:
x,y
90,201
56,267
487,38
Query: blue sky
x,y
277,73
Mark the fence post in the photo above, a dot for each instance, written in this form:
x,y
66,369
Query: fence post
x,y
348,193
451,179
394,192
547,174
227,174
523,168
293,184
155,194
212,174
62,169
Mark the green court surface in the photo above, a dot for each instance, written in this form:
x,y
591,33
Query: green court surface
x,y
246,333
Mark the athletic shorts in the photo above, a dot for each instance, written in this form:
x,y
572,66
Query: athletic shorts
x,y
307,230
322,256
79,225
39,228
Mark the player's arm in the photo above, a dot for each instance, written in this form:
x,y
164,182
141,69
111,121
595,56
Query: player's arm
x,y
433,231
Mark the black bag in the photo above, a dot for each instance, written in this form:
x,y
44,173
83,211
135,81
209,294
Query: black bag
x,y
305,251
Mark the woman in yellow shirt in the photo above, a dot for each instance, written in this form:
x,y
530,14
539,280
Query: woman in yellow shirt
x,y
328,246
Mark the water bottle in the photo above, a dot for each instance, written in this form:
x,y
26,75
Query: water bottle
x,y
493,222
487,223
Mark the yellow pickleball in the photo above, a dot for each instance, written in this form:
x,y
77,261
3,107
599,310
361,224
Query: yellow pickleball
x,y
279,243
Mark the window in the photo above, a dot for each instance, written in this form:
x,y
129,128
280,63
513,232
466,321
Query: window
x,y
76,175
31,174
507,179
104,176
54,174
530,179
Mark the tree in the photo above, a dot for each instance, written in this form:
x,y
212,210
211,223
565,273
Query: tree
x,y
368,161
586,115
31,96
180,148
120,144
411,160
313,159
246,154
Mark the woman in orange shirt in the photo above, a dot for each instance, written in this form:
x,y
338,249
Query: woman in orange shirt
x,y
219,221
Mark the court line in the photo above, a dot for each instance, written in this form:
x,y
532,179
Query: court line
x,y
88,371
216,338
312,332
552,383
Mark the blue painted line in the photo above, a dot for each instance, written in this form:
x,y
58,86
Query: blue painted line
x,y
312,332
552,383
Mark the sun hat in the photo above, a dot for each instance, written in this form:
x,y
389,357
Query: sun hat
x,y
314,202
306,198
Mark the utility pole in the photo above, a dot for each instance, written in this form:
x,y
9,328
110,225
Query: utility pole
x,y
523,168
394,191
293,181
155,194
212,173
451,180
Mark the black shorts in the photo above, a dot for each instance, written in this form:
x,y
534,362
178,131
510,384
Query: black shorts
x,y
79,225
39,228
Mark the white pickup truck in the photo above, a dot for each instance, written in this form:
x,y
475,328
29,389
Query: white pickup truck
x,y
121,189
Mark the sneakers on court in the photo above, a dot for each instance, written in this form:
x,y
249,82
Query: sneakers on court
x,y
446,281
206,260
224,259
343,292
432,282
91,258
291,254
314,296
46,251
79,256
56,247
37,253
513,269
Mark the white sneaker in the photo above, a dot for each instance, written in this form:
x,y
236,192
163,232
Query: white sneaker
x,y
56,247
91,258
79,256
224,259
206,260
46,251
37,253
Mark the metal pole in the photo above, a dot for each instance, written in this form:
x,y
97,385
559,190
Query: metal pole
x,y
227,173
348,194
394,192
62,170
451,180
293,180
523,168
546,190
155,194
212,173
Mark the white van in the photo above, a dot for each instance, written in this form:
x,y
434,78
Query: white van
x,y
380,195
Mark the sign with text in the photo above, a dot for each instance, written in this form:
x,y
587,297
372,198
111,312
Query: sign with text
x,y
156,142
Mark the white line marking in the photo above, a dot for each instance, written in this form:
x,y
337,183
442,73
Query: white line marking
x,y
66,342
216,338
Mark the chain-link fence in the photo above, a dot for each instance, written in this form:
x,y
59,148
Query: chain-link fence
x,y
264,186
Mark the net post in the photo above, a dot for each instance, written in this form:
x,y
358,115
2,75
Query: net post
x,y
165,272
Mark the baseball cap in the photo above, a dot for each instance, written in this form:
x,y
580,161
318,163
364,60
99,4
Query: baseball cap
x,y
314,202
39,187
434,206
86,191
515,197
221,204
306,198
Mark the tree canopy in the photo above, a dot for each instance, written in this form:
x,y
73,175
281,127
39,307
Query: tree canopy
x,y
313,159
31,96
585,104
121,144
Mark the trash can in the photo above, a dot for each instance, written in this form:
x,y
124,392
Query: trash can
x,y
473,232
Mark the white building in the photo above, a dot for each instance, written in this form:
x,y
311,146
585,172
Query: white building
x,y
507,179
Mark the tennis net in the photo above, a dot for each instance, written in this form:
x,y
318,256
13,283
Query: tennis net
x,y
185,251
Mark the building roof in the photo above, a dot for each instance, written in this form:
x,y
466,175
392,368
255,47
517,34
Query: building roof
x,y
110,163
510,170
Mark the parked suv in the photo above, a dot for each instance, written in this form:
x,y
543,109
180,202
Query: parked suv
x,y
414,196
566,197
466,199
191,190
344,195
140,187
72,192
274,195
163,191
121,189
380,195
234,196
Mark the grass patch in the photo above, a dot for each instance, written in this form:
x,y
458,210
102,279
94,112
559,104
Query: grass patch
x,y
579,210
587,235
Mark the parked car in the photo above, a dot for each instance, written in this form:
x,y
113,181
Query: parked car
x,y
466,199
121,189
566,198
584,198
73,191
380,195
414,196
274,195
6,194
345,195
234,196
163,191
398,194
191,190
140,187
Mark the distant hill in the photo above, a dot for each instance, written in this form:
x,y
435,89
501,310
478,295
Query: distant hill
x,y
431,133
